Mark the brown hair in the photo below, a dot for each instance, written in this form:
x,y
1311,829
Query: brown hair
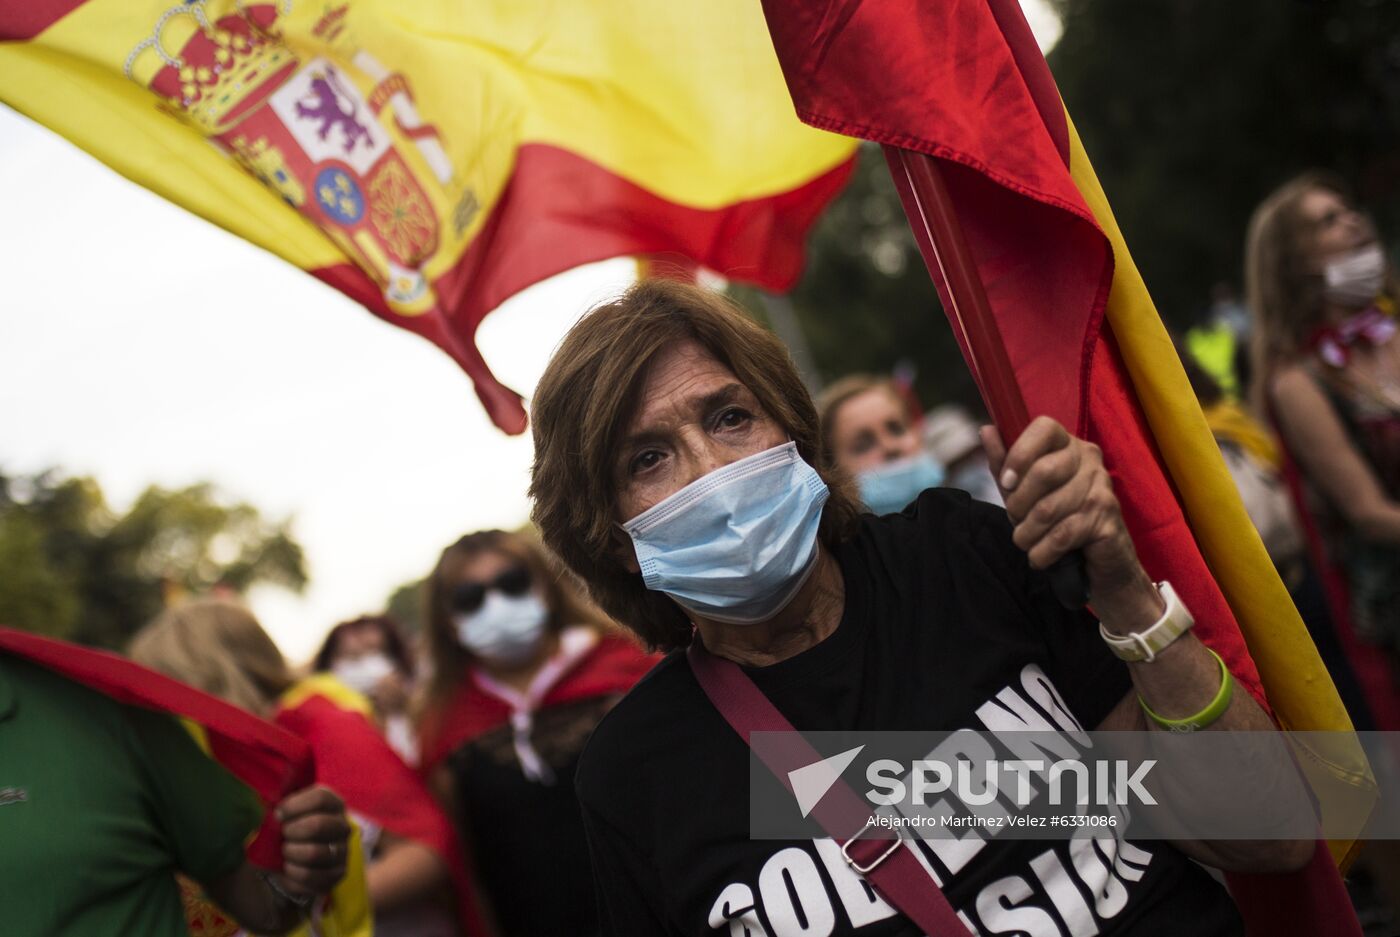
x,y
838,394
586,398
395,648
562,596
218,647
1284,295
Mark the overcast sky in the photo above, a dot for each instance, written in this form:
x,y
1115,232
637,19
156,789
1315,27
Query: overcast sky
x,y
141,345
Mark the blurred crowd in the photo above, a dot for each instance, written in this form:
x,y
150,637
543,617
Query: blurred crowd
x,y
453,741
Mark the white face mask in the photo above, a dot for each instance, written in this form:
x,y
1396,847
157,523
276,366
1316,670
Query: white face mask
x,y
1355,279
363,674
504,630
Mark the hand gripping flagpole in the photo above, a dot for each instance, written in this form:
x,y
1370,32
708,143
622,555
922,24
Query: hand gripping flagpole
x,y
949,260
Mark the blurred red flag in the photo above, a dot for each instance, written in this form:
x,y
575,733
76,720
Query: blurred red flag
x,y
271,761
354,760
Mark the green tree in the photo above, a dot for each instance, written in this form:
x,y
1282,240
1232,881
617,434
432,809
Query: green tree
x,y
77,569
1193,110
865,301
405,605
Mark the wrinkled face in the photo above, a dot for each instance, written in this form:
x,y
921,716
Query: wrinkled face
x,y
871,429
1334,227
693,416
354,643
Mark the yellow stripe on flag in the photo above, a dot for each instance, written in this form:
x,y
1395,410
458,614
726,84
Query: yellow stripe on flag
x,y
672,107
327,685
1299,689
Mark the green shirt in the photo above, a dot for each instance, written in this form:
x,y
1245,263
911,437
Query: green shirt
x,y
100,805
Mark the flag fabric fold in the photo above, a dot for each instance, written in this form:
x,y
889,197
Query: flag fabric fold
x,y
271,761
354,760
964,82
268,759
431,160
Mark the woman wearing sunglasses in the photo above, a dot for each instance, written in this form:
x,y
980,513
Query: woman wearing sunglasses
x,y
522,670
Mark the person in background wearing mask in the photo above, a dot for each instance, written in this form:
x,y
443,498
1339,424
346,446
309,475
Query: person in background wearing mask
x,y
368,654
1326,371
679,472
522,670
867,431
952,436
411,851
1252,456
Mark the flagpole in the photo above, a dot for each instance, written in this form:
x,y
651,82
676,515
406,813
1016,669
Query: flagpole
x,y
949,259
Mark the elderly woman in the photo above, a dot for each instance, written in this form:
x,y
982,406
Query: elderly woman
x,y
666,423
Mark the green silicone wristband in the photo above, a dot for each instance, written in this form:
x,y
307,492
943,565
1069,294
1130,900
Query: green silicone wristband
x,y
1213,711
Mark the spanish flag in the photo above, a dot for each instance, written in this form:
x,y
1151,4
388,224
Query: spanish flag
x,y
269,760
431,159
963,82
354,760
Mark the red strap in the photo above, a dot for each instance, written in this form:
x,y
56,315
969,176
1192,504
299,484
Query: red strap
x,y
896,873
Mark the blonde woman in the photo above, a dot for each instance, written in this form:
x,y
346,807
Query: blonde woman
x,y
220,648
522,670
1326,369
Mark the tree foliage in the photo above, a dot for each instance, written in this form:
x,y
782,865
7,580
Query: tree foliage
x,y
1191,110
77,569
405,605
1194,110
865,302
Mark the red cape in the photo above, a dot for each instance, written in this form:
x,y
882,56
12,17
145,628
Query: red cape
x,y
271,761
612,665
1367,661
354,760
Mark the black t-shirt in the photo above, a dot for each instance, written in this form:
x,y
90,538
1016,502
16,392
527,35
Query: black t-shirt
x,y
943,618
525,835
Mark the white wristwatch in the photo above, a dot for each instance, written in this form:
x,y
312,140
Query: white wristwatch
x,y
1145,645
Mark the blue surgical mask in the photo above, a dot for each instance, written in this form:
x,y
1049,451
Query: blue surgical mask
x,y
736,544
889,487
505,630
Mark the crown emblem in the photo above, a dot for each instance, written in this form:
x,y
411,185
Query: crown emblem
x,y
214,73
268,164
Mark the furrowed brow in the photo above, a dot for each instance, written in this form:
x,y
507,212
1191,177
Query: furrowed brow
x,y
709,403
701,405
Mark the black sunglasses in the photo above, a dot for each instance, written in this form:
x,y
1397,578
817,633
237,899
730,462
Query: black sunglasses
x,y
468,596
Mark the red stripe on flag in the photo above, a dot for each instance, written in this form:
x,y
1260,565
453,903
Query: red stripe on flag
x,y
1052,264
559,211
1152,510
271,761
353,759
25,19
1034,70
946,80
1373,671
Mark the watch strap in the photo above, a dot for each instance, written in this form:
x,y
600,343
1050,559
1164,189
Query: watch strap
x,y
1146,644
